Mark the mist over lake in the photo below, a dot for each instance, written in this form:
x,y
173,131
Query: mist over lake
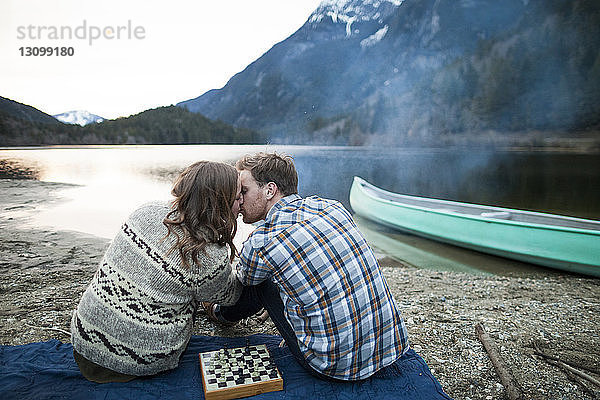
x,y
109,182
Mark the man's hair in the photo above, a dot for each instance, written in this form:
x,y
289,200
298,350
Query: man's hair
x,y
271,167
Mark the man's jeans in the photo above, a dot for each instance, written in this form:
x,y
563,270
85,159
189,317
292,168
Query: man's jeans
x,y
266,295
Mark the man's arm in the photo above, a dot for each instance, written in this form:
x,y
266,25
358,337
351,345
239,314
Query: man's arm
x,y
252,268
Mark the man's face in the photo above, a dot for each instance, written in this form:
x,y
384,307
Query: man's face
x,y
254,201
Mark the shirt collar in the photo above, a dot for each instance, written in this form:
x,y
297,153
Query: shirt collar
x,y
282,203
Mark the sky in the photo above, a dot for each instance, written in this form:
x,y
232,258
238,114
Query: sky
x,y
133,55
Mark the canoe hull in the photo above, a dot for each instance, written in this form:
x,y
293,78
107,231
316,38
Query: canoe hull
x,y
573,250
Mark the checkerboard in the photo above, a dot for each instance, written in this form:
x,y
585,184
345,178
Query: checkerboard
x,y
239,372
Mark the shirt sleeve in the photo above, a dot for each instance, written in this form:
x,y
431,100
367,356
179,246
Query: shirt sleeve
x,y
252,268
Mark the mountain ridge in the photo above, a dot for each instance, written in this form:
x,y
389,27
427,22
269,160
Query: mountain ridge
x,y
25,112
420,70
23,125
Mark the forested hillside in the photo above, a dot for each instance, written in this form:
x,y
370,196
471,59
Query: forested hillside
x,y
22,125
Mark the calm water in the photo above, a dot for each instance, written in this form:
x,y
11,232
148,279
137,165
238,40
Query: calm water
x,y
112,181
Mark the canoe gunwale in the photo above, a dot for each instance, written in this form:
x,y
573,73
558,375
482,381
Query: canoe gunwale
x,y
363,183
523,257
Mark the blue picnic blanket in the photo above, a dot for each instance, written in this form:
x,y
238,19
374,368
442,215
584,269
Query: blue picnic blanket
x,y
47,370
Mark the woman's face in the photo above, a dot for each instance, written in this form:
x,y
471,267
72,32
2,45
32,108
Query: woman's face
x,y
238,199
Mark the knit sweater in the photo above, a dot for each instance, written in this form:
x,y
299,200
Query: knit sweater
x,y
136,316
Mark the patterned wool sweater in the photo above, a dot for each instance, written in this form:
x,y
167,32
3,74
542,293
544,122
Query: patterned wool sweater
x,y
136,316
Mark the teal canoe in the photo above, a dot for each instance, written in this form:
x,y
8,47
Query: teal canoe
x,y
556,241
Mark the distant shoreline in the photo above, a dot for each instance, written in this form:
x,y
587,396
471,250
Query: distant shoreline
x,y
495,142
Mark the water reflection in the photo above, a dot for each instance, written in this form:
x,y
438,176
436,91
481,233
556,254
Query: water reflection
x,y
428,254
109,182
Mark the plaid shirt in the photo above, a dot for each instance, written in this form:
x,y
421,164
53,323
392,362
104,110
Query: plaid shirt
x,y
334,294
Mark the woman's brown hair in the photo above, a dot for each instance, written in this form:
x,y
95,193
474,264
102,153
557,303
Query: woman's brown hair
x,y
204,194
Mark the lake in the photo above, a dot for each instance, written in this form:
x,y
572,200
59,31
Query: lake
x,y
112,180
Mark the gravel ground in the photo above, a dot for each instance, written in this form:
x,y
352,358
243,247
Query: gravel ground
x,y
44,273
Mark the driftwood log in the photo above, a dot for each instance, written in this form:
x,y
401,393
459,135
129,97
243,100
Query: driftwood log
x,y
263,316
512,389
568,366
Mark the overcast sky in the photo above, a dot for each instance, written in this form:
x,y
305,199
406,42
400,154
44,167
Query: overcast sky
x,y
148,53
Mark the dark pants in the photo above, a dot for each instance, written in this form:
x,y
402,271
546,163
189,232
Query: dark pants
x,y
266,295
97,373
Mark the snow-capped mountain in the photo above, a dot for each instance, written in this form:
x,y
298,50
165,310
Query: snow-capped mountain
x,y
350,18
78,117
349,11
358,70
300,79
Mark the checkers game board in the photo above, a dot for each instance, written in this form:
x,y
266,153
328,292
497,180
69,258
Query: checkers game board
x,y
238,372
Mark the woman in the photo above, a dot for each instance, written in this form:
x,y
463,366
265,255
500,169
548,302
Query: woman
x,y
136,316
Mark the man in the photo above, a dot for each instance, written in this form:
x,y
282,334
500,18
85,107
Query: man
x,y
310,268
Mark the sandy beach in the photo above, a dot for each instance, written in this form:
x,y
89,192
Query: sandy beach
x,y
44,273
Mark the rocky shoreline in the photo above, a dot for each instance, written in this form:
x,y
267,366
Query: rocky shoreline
x,y
44,273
